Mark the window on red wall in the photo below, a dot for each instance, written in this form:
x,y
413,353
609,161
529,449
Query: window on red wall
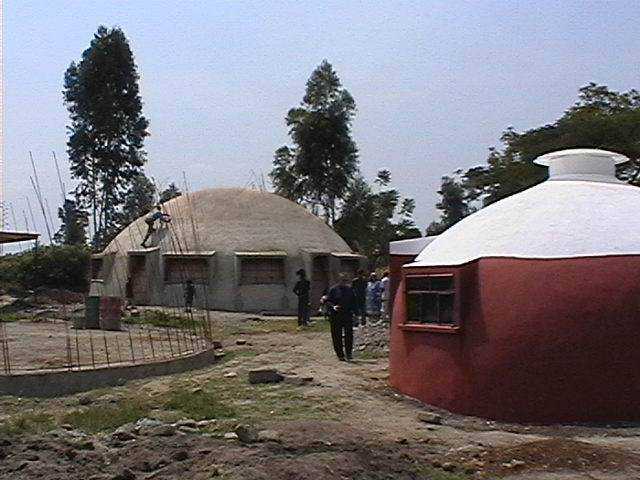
x,y
430,299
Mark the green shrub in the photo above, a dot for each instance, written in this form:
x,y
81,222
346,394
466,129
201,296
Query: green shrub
x,y
56,266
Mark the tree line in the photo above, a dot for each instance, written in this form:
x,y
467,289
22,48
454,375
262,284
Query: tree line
x,y
601,118
320,170
106,144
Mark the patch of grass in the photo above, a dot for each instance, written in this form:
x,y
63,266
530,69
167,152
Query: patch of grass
x,y
9,317
437,474
201,405
102,418
31,422
370,355
276,325
256,403
158,318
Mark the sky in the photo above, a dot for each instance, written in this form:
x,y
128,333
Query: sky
x,y
435,83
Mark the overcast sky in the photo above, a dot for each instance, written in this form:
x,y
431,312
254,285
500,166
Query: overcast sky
x,y
435,82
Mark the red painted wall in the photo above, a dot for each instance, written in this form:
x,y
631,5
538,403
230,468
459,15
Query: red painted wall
x,y
540,341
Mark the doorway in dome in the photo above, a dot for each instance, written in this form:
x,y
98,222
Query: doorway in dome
x,y
137,282
319,279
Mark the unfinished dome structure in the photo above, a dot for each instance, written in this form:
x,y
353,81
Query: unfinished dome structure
x,y
240,247
527,310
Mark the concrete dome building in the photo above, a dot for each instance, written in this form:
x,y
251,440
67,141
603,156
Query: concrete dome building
x,y
240,247
528,310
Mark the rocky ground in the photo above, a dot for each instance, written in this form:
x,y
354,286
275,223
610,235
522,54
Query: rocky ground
x,y
323,419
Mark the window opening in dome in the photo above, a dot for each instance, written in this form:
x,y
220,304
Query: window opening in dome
x,y
262,271
350,266
179,269
430,300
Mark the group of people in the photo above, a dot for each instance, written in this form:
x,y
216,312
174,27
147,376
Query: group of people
x,y
348,302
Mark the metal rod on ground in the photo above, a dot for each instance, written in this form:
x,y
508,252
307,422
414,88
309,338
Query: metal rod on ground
x,y
36,187
141,338
153,350
93,356
62,187
78,349
133,357
4,349
106,347
33,218
68,340
118,349
170,344
178,341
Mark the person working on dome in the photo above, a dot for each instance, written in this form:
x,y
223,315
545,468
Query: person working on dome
x,y
151,219
342,303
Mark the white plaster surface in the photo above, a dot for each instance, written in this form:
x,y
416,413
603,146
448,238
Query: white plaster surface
x,y
412,246
560,218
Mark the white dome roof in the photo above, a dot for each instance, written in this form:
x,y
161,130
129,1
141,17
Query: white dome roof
x,y
228,220
581,211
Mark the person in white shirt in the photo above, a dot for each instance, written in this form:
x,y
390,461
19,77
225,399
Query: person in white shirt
x,y
384,311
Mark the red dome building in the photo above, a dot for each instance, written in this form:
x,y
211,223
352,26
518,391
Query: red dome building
x,y
529,309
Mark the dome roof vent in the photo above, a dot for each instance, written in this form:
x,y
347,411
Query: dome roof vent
x,y
585,164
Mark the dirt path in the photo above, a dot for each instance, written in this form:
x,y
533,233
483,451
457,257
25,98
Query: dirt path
x,y
346,423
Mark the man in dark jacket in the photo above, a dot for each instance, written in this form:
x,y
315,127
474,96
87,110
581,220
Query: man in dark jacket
x,y
301,289
359,285
342,303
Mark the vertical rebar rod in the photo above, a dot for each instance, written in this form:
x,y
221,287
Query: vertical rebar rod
x,y
170,344
78,350
118,349
106,347
93,354
141,338
4,349
133,357
153,351
178,341
67,341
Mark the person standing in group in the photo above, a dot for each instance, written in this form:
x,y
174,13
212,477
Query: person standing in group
x,y
374,299
341,302
189,294
385,295
302,289
359,285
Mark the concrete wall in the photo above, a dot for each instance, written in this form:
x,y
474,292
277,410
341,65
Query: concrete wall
x,y
223,291
539,341
55,384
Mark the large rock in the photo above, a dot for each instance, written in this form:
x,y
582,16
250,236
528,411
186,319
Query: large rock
x,y
265,375
430,417
246,434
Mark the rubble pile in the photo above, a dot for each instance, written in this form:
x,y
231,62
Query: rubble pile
x,y
373,338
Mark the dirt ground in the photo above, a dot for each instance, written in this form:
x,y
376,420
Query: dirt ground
x,y
346,423
53,343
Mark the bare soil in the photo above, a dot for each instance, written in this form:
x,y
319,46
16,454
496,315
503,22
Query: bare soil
x,y
345,424
53,344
